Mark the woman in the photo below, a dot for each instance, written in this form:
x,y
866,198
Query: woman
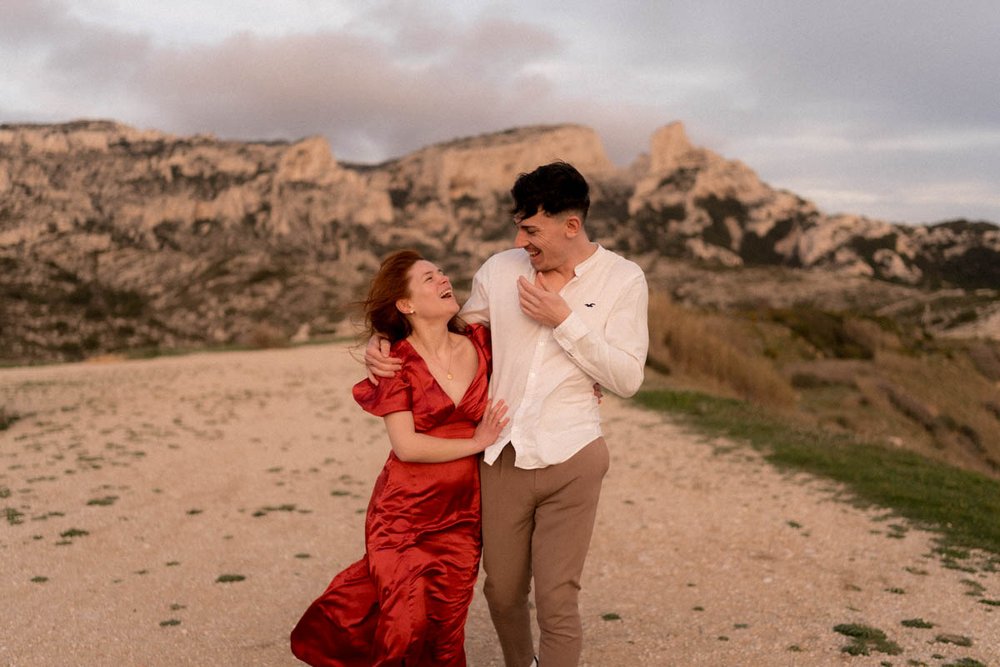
x,y
405,602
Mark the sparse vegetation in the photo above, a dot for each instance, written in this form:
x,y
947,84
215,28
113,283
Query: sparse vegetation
x,y
964,662
264,511
229,578
961,505
681,340
866,639
265,335
73,532
842,371
7,418
974,588
957,640
830,334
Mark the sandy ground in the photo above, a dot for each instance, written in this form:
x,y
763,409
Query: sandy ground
x,y
129,488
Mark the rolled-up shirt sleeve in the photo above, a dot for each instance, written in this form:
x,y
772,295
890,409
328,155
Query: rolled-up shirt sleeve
x,y
616,356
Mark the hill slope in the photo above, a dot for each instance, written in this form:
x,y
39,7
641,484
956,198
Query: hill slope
x,y
114,238
259,465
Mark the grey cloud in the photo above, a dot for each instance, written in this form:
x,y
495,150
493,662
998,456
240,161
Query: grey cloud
x,y
26,22
846,98
927,66
97,57
80,62
348,87
375,95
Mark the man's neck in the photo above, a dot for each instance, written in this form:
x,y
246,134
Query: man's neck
x,y
567,270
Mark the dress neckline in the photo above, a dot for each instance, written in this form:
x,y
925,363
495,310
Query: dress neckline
x,y
475,377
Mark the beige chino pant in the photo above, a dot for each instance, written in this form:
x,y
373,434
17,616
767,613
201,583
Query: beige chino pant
x,y
539,523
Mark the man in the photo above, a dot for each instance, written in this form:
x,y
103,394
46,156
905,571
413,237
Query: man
x,y
565,313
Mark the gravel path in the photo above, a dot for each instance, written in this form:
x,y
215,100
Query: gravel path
x,y
131,488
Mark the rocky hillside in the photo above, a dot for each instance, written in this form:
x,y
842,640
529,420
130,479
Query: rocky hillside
x,y
114,238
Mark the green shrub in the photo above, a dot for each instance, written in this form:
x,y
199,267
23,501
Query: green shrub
x,y
828,332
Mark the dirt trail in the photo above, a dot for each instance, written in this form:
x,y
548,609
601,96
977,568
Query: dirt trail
x,y
130,488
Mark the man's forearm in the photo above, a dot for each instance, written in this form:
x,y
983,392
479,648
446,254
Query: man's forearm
x,y
618,369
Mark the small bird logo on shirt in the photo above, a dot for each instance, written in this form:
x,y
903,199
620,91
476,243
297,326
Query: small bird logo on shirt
x,y
590,305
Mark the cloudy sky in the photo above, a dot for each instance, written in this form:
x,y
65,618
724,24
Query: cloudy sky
x,y
886,108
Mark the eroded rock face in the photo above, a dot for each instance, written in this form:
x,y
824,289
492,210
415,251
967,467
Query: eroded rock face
x,y
724,212
113,237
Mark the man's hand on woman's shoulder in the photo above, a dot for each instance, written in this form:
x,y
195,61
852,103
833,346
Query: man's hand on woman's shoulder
x,y
378,363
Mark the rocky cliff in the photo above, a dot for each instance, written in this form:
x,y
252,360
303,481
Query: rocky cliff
x,y
115,238
697,203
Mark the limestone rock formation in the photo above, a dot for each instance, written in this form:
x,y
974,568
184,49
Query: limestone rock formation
x,y
450,199
115,238
695,202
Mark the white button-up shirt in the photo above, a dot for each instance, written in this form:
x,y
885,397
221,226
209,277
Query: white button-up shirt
x,y
546,375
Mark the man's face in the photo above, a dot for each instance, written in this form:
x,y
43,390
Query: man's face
x,y
544,237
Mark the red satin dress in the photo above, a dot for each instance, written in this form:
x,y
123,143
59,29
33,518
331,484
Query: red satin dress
x,y
405,602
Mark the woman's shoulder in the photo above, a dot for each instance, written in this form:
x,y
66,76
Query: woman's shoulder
x,y
479,334
391,394
403,350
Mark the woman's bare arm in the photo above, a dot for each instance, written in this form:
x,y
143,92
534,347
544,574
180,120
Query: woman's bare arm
x,y
421,448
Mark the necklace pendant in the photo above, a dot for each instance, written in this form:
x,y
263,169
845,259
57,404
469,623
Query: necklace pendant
x,y
450,376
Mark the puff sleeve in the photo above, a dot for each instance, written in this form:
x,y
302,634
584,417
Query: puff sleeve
x,y
393,394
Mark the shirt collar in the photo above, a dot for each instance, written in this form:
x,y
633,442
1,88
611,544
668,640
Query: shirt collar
x,y
590,262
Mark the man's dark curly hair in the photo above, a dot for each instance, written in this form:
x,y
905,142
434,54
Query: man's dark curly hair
x,y
552,188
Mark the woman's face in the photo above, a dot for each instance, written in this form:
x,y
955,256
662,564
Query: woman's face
x,y
430,292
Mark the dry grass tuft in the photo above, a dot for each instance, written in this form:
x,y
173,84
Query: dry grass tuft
x,y
985,357
265,335
681,341
7,417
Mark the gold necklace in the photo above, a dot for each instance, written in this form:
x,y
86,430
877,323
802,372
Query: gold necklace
x,y
437,358
451,352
